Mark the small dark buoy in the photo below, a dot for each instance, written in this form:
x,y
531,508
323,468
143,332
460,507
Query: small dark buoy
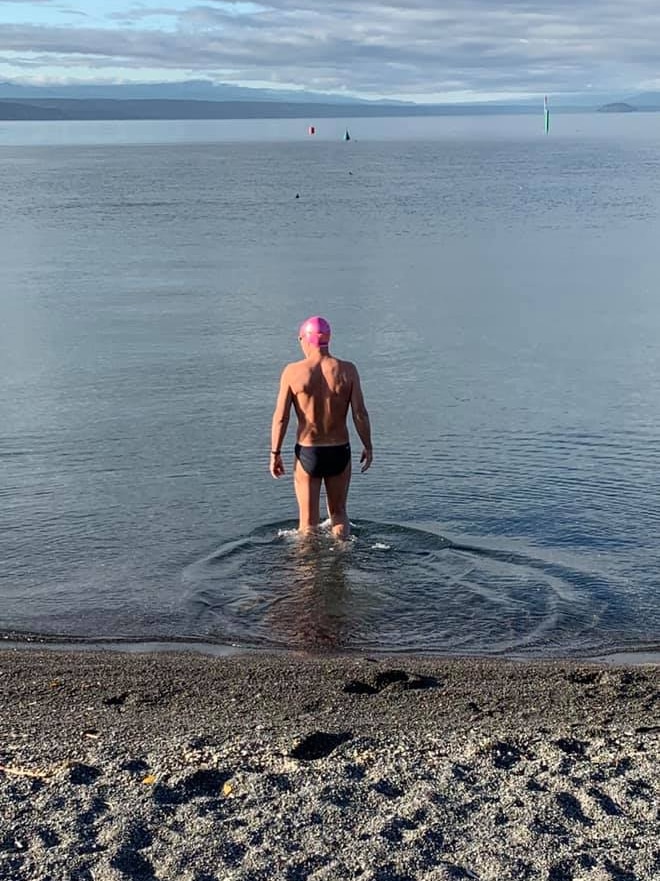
x,y
297,195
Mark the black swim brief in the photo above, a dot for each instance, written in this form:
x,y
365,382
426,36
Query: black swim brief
x,y
324,461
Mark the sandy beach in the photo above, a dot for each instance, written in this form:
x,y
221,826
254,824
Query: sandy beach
x,y
183,766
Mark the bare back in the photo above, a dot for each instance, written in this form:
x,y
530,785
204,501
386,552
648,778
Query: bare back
x,y
321,391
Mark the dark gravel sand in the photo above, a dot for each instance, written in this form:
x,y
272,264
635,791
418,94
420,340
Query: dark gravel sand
x,y
187,767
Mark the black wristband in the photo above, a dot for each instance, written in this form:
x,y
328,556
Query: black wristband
x,y
276,452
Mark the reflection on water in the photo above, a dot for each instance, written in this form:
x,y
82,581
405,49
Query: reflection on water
x,y
315,605
282,589
396,588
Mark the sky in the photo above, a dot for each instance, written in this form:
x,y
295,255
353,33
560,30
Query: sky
x,y
414,50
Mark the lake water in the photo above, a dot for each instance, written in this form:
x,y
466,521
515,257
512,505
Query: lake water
x,y
499,291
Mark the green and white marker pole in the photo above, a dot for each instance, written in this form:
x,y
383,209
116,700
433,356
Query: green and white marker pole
x,y
546,115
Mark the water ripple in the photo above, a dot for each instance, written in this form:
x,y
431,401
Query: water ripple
x,y
397,588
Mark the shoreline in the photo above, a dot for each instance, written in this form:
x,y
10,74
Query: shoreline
x,y
181,765
633,657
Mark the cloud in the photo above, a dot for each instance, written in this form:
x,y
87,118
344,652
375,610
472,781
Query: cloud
x,y
138,14
391,47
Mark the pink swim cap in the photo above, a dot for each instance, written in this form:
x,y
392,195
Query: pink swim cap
x,y
315,331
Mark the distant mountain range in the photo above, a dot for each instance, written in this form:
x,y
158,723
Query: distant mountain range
x,y
189,90
203,99
112,109
617,107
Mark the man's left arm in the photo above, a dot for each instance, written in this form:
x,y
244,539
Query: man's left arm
x,y
280,424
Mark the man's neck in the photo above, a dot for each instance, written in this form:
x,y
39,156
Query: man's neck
x,y
318,355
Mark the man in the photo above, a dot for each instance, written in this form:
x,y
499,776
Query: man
x,y
321,389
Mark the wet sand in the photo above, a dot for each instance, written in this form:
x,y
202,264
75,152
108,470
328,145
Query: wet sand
x,y
188,767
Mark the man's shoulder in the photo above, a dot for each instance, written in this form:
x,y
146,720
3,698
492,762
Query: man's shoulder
x,y
347,366
293,367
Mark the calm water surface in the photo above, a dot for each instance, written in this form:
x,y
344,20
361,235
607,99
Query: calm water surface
x,y
499,292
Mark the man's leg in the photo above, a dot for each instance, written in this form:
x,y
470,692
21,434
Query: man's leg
x,y
336,490
308,492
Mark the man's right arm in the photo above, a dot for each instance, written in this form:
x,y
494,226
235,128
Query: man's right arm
x,y
280,424
361,420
